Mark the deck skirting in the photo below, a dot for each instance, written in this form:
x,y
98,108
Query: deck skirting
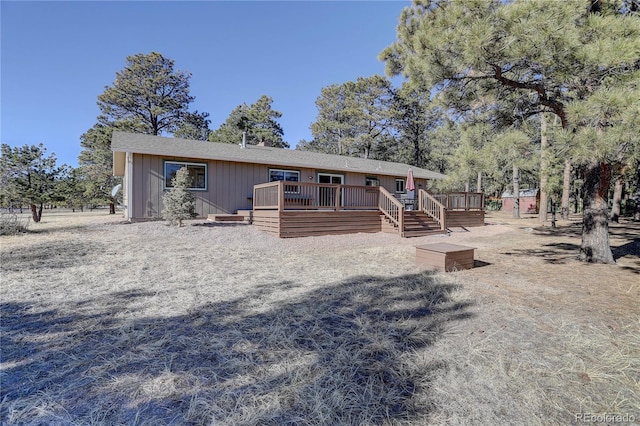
x,y
293,223
465,218
307,223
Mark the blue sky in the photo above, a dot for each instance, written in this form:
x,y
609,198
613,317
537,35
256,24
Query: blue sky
x,y
57,57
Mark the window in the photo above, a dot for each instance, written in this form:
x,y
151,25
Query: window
x,y
400,186
276,175
371,181
197,173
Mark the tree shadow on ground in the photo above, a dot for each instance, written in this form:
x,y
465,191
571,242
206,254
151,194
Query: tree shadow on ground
x,y
347,353
53,255
554,253
561,252
625,229
632,250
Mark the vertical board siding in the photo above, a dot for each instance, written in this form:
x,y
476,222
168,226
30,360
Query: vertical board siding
x,y
139,191
155,190
229,184
388,183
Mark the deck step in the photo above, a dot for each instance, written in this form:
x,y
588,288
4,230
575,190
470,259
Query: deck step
x,y
226,218
423,233
416,224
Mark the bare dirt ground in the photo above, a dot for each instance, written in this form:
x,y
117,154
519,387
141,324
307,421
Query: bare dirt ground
x,y
105,322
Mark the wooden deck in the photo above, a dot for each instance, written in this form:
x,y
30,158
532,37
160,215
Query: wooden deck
x,y
306,223
294,209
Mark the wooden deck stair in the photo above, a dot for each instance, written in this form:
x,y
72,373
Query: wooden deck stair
x,y
227,218
416,224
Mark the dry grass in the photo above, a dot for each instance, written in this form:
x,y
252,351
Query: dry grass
x,y
112,323
12,223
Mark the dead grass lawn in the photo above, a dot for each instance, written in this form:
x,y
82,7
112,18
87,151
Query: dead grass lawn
x,y
111,323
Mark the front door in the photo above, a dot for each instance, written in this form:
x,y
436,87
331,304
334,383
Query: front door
x,y
327,196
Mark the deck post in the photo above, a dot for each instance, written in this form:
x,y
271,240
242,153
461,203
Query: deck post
x,y
443,218
254,200
338,197
281,195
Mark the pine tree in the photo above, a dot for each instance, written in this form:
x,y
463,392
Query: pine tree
x,y
260,122
29,177
354,118
571,60
96,166
148,95
179,203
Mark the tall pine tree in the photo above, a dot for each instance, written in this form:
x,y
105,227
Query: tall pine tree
x,y
148,95
553,57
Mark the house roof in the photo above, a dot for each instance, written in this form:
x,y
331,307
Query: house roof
x,y
175,147
523,193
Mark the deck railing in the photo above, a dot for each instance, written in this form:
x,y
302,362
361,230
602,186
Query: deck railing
x,y
266,196
285,195
461,200
434,208
392,208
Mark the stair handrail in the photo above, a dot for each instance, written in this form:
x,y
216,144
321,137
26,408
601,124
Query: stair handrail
x,y
434,208
392,208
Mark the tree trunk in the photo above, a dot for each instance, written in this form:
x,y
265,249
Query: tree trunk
x,y
566,191
36,212
636,198
516,192
418,158
617,199
544,143
479,183
595,228
112,207
577,191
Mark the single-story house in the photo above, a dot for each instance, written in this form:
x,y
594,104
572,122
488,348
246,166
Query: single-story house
x,y
224,174
314,193
529,201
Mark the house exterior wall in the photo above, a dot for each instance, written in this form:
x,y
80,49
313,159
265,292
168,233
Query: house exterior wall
x,y
229,184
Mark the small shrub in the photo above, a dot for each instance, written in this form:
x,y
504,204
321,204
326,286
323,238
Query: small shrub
x,y
179,203
11,223
494,205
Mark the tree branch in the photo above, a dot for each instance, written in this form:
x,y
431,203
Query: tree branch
x,y
556,106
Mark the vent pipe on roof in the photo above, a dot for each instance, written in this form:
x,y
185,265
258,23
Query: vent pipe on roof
x,y
244,140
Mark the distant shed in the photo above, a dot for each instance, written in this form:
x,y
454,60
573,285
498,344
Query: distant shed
x,y
529,201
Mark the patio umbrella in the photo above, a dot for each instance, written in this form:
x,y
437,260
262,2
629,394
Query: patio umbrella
x,y
410,184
